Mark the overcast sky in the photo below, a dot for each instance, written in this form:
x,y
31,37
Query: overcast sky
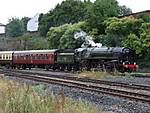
x,y
29,8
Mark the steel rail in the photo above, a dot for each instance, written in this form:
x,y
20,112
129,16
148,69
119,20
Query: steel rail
x,y
85,86
104,82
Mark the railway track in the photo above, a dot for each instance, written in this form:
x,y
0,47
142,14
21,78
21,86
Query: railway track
x,y
83,79
94,86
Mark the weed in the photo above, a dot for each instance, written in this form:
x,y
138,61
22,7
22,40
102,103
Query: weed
x,y
22,98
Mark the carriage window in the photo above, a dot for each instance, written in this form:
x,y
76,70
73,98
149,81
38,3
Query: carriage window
x,y
27,56
45,56
3,57
41,55
17,57
32,56
0,57
52,56
6,56
36,56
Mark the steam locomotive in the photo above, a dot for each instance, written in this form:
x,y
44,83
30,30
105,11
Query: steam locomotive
x,y
119,58
104,58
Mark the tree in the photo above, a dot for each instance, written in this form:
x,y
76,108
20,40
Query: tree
x,y
123,10
145,38
45,22
129,32
67,40
25,21
54,34
141,44
69,11
117,29
63,36
15,27
99,11
144,17
123,26
110,40
133,42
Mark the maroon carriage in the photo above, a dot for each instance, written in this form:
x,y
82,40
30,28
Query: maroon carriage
x,y
34,58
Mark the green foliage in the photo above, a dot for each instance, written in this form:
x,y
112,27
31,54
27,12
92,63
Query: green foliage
x,y
33,42
15,27
144,17
37,43
45,22
54,34
67,40
101,10
22,98
134,42
28,41
93,33
124,26
73,11
25,21
69,11
123,10
142,43
110,40
145,35
118,29
63,36
129,32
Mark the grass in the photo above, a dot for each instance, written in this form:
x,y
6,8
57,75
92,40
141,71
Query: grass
x,y
97,74
104,74
22,98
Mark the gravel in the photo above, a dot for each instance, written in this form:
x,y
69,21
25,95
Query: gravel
x,y
128,79
102,101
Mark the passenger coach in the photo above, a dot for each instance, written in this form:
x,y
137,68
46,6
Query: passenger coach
x,y
34,58
6,58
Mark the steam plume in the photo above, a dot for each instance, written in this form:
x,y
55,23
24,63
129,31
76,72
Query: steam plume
x,y
88,42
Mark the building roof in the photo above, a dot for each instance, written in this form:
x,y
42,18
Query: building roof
x,y
136,14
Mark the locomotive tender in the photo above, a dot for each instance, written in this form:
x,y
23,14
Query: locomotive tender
x,y
109,58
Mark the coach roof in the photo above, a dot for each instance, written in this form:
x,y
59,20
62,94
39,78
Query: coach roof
x,y
6,52
36,51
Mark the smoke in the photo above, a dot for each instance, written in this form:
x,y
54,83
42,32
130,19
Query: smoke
x,y
88,40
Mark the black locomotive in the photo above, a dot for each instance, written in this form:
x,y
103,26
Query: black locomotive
x,y
109,58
